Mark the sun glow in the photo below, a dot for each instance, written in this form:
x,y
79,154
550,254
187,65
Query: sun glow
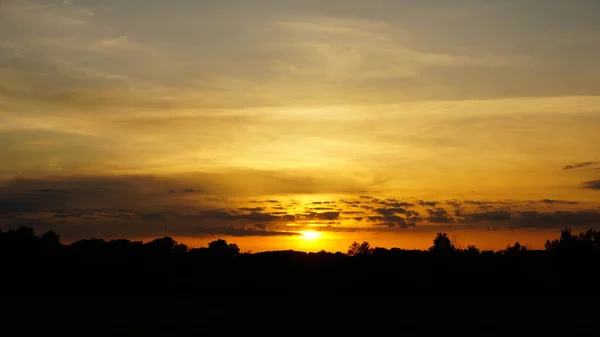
x,y
310,235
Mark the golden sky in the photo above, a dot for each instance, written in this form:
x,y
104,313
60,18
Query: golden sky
x,y
252,120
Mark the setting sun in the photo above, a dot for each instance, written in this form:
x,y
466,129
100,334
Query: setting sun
x,y
311,235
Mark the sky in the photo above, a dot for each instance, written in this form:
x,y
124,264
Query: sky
x,y
257,120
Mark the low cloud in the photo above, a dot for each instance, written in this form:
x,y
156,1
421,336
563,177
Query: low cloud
x,y
322,216
140,206
228,215
192,191
579,165
321,209
238,232
488,216
454,203
252,209
439,215
153,217
483,202
592,185
553,202
391,210
560,219
427,203
389,220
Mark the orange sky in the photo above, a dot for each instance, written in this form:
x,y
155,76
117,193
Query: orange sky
x,y
385,121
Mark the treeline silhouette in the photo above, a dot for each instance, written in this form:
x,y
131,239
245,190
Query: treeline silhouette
x,y
164,264
158,288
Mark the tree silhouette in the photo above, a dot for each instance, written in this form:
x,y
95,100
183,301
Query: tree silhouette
x,y
223,249
472,250
90,248
379,251
50,242
442,244
358,249
575,244
515,249
165,246
24,234
50,238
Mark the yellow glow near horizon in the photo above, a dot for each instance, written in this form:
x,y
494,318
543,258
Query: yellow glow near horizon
x,y
310,235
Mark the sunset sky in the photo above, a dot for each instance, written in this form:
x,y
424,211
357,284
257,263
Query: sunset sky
x,y
255,120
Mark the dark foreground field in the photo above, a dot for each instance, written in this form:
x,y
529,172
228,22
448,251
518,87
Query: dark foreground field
x,y
125,288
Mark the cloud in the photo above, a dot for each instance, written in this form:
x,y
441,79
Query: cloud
x,y
261,217
322,216
153,217
225,182
143,205
391,210
100,204
488,216
413,214
192,191
397,204
251,209
76,213
31,200
253,216
131,192
579,165
237,232
50,13
439,215
559,219
552,202
8,206
427,203
483,202
454,203
389,220
321,209
592,185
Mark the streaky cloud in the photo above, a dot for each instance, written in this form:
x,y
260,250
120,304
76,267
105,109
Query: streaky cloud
x,y
579,165
592,185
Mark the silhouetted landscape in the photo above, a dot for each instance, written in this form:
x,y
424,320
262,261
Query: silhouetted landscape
x,y
361,284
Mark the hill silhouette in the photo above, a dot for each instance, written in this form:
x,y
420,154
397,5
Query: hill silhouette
x,y
69,285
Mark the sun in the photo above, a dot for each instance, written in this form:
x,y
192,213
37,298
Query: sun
x,y
310,235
